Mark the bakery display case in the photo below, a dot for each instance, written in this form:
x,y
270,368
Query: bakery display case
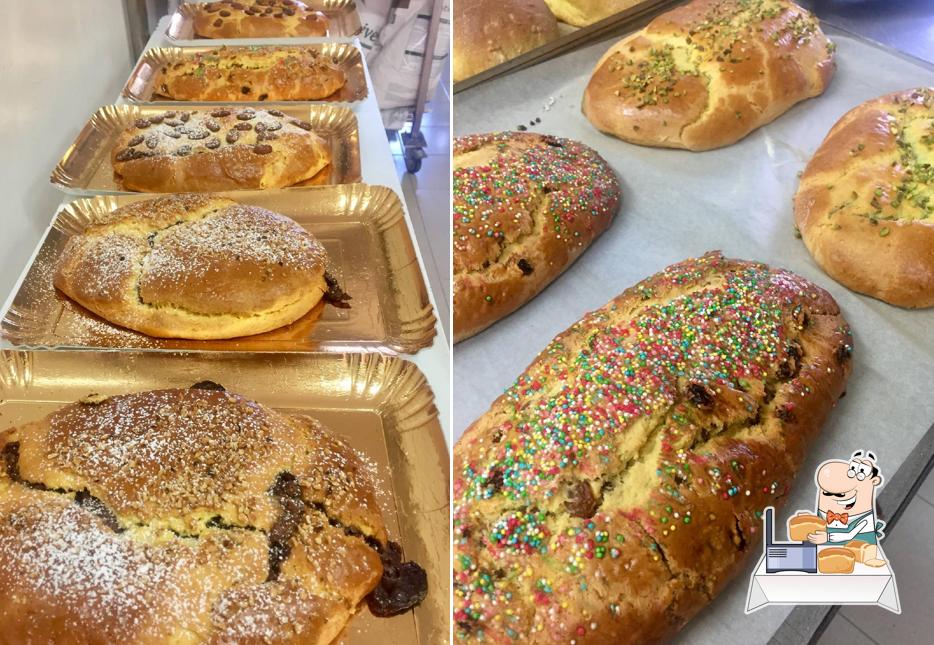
x,y
375,374
675,204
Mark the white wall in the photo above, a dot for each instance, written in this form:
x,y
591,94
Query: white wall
x,y
59,61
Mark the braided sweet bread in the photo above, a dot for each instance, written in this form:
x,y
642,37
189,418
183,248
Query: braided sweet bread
x,y
254,74
617,486
256,19
220,149
865,204
187,516
708,73
194,266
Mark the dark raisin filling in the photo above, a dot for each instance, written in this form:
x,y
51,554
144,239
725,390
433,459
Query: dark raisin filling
x,y
208,385
524,266
335,295
288,493
581,501
403,585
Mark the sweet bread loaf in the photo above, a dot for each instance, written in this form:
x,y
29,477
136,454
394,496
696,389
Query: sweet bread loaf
x,y
256,19
525,207
185,515
194,266
252,74
835,560
490,32
707,73
800,526
617,486
220,149
863,205
581,13
859,549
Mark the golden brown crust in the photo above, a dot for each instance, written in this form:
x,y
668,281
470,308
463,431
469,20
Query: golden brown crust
x,y
707,73
581,13
617,486
194,266
257,19
525,207
220,149
835,560
490,32
800,526
254,74
161,515
864,204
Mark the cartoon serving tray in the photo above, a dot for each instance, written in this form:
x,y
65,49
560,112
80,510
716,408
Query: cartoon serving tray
x,y
833,557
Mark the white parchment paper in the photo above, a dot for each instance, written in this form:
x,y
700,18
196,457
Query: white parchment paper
x,y
678,204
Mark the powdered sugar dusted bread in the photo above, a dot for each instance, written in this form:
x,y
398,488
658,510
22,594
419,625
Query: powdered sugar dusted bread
x,y
617,486
183,515
194,266
256,19
218,149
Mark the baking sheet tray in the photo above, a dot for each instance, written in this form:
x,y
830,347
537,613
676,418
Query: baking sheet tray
x,y
678,204
573,37
143,84
342,14
381,405
85,167
370,253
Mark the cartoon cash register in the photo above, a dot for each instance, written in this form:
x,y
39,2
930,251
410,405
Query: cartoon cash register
x,y
846,502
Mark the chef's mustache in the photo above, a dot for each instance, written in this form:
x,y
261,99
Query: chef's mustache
x,y
829,494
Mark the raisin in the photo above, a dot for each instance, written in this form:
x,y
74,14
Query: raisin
x,y
220,113
212,125
213,143
135,141
524,266
581,501
700,395
142,123
262,149
243,127
403,585
183,150
304,125
335,295
208,385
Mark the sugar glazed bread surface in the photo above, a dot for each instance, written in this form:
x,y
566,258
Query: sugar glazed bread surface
x,y
194,266
525,207
220,149
184,516
706,74
490,32
617,486
257,19
581,13
865,204
252,74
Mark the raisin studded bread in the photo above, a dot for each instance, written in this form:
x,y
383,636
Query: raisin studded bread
x,y
251,74
194,266
256,19
707,73
217,149
525,206
186,516
617,486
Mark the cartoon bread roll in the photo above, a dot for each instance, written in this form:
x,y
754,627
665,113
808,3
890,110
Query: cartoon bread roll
x,y
836,560
800,526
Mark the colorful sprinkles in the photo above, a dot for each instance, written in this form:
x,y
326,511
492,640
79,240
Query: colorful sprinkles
x,y
567,418
495,199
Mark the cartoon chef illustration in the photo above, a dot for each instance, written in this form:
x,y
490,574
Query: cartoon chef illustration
x,y
846,500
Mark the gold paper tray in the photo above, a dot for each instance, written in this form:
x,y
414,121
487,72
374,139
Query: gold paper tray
x,y
85,167
381,405
370,252
142,86
342,14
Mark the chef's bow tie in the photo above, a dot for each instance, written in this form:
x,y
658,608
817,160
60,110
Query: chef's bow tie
x,y
843,517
